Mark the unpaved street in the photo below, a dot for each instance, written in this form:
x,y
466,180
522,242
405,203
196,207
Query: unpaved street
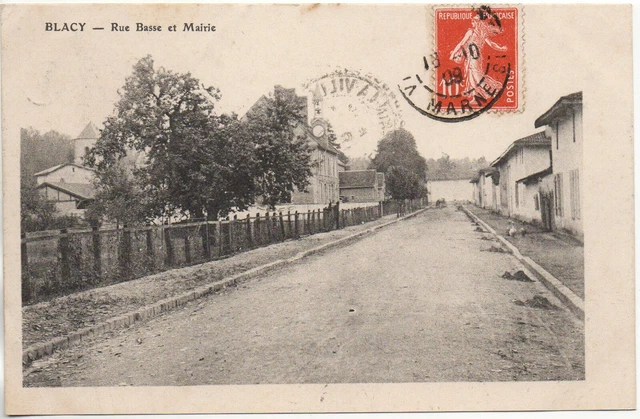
x,y
422,300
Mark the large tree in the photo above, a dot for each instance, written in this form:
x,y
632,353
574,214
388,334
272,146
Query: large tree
x,y
194,161
282,153
397,156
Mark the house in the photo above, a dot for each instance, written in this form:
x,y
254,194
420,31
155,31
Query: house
x,y
485,189
449,189
66,173
524,157
560,186
70,185
362,186
69,198
475,193
323,185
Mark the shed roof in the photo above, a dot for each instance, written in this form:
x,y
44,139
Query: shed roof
x,y
77,190
533,178
559,109
358,179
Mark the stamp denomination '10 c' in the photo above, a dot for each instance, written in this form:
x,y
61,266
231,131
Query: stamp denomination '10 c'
x,y
473,68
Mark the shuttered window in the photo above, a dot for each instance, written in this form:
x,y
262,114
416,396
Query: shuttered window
x,y
574,190
558,185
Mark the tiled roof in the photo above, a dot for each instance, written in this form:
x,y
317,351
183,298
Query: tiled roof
x,y
534,139
60,166
559,108
78,190
539,139
358,179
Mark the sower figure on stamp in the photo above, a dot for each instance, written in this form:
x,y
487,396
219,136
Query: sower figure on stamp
x,y
470,51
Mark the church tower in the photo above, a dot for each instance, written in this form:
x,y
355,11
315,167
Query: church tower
x,y
84,142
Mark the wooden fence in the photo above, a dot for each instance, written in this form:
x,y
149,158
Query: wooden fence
x,y
61,262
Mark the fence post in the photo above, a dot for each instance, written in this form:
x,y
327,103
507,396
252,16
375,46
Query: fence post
x,y
258,230
337,215
169,257
296,228
206,246
125,253
151,264
305,222
283,237
289,223
187,246
249,238
219,239
233,236
63,249
313,220
227,237
96,247
268,224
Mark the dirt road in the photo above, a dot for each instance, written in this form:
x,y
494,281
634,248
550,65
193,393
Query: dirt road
x,y
422,300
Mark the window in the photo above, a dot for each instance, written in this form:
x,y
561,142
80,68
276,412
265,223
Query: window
x,y
536,202
573,118
557,136
517,195
557,185
574,190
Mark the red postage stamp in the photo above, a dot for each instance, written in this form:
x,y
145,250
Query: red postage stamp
x,y
474,66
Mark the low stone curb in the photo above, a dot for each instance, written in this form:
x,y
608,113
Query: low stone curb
x,y
561,291
41,350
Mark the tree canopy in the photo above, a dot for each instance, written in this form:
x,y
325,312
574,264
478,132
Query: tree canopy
x,y
281,151
398,157
194,162
398,149
42,151
447,168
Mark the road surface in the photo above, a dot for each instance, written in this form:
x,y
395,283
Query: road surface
x,y
421,300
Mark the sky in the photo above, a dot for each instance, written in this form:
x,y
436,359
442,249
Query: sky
x,y
67,79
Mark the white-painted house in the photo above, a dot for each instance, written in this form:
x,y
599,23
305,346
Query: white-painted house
x,y
70,185
65,173
524,157
563,185
449,190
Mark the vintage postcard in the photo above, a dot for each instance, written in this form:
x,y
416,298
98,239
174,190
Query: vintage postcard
x,y
317,208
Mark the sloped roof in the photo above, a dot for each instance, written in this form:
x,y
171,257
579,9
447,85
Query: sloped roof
x,y
60,166
78,190
559,109
90,131
539,139
358,179
533,178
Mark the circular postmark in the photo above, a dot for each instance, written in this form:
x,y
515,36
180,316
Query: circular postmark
x,y
360,108
471,68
